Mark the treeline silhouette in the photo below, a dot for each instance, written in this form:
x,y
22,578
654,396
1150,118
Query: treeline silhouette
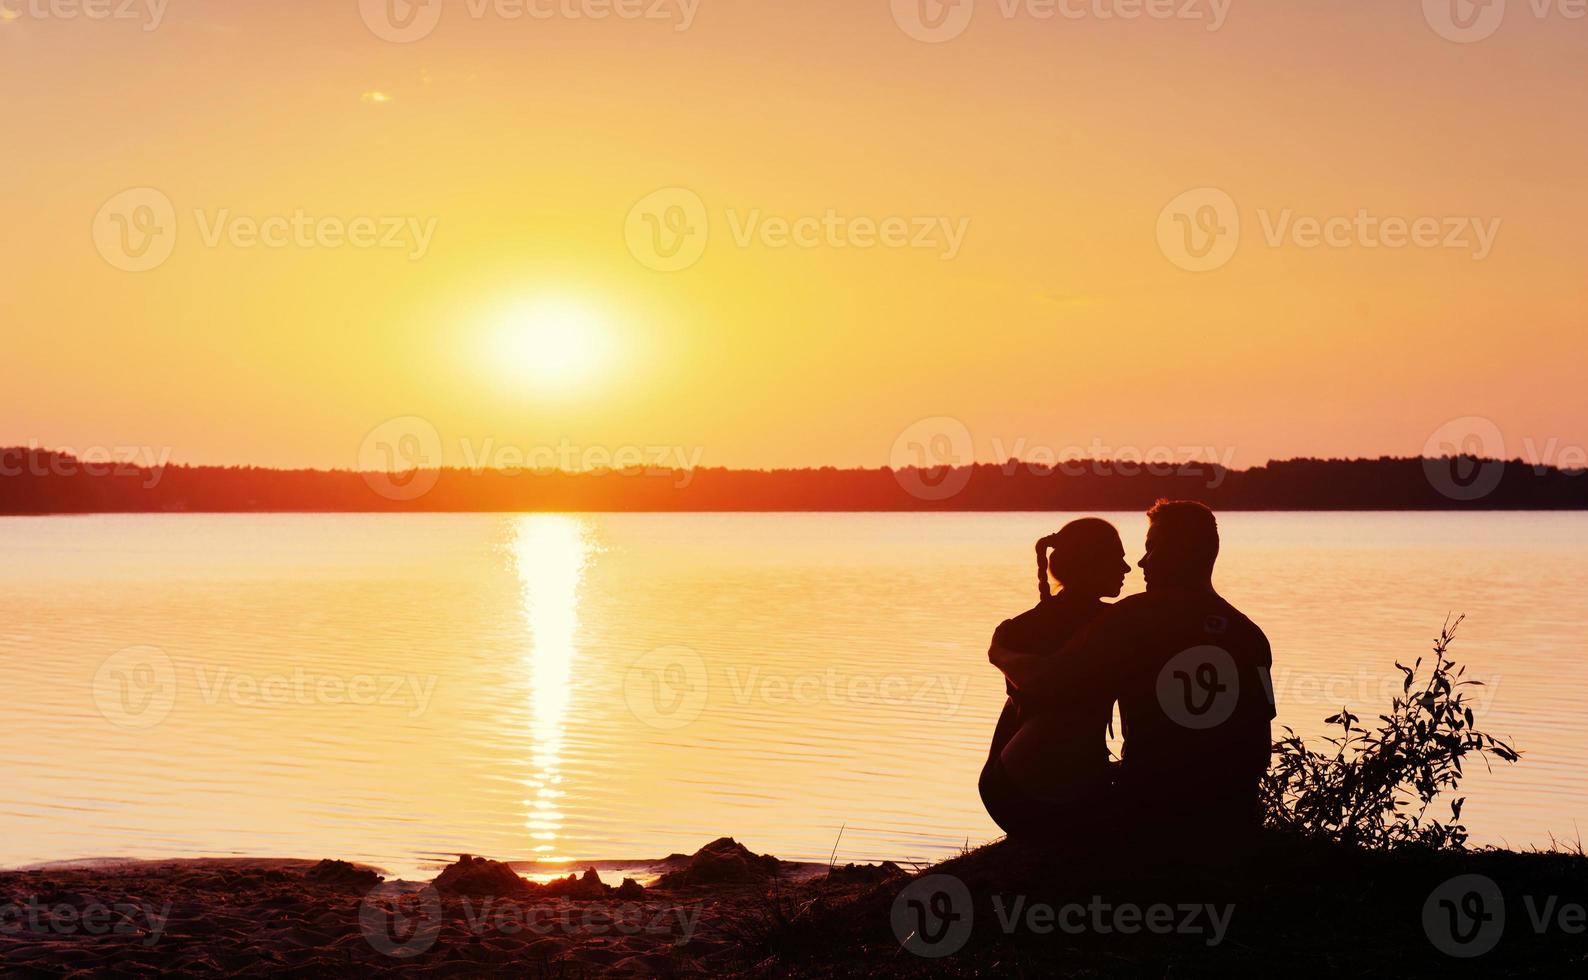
x,y
35,481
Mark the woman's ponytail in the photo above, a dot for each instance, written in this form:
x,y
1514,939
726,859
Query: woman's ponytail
x,y
1044,586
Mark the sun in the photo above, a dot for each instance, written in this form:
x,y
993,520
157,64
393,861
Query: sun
x,y
550,345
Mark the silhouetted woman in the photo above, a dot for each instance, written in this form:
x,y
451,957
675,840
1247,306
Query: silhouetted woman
x,y
1048,768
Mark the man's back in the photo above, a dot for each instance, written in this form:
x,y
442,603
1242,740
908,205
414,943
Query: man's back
x,y
1191,674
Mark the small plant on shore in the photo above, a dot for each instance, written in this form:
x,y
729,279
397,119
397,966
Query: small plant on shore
x,y
1374,787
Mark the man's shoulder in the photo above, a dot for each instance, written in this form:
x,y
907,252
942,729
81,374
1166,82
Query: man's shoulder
x,y
1237,632
1240,620
1177,610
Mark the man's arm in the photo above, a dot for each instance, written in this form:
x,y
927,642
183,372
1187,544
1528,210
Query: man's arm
x,y
1263,708
1020,668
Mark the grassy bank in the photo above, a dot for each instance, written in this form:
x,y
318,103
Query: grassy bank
x,y
1286,905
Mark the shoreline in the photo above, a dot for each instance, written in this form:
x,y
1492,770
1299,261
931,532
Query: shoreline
x,y
533,871
1276,903
50,481
295,916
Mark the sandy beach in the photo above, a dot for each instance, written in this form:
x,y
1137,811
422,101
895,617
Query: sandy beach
x,y
1003,910
256,917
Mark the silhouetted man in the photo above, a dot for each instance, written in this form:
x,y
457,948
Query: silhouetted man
x,y
1191,675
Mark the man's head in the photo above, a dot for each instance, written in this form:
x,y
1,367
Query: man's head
x,y
1182,545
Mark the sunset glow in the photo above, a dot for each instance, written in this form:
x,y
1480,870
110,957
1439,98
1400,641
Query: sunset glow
x,y
503,487
1058,142
549,346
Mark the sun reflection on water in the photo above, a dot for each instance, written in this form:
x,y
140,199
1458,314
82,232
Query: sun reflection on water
x,y
550,552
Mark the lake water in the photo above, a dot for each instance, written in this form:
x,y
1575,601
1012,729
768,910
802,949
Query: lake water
x,y
399,689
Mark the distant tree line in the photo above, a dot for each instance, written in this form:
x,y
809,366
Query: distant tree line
x,y
36,481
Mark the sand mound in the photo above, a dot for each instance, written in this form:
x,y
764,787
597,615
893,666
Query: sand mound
x,y
723,861
480,878
865,874
341,874
589,887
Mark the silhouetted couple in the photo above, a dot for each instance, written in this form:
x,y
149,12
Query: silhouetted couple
x,y
1189,672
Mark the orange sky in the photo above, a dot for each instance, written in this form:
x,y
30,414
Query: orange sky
x,y
520,147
